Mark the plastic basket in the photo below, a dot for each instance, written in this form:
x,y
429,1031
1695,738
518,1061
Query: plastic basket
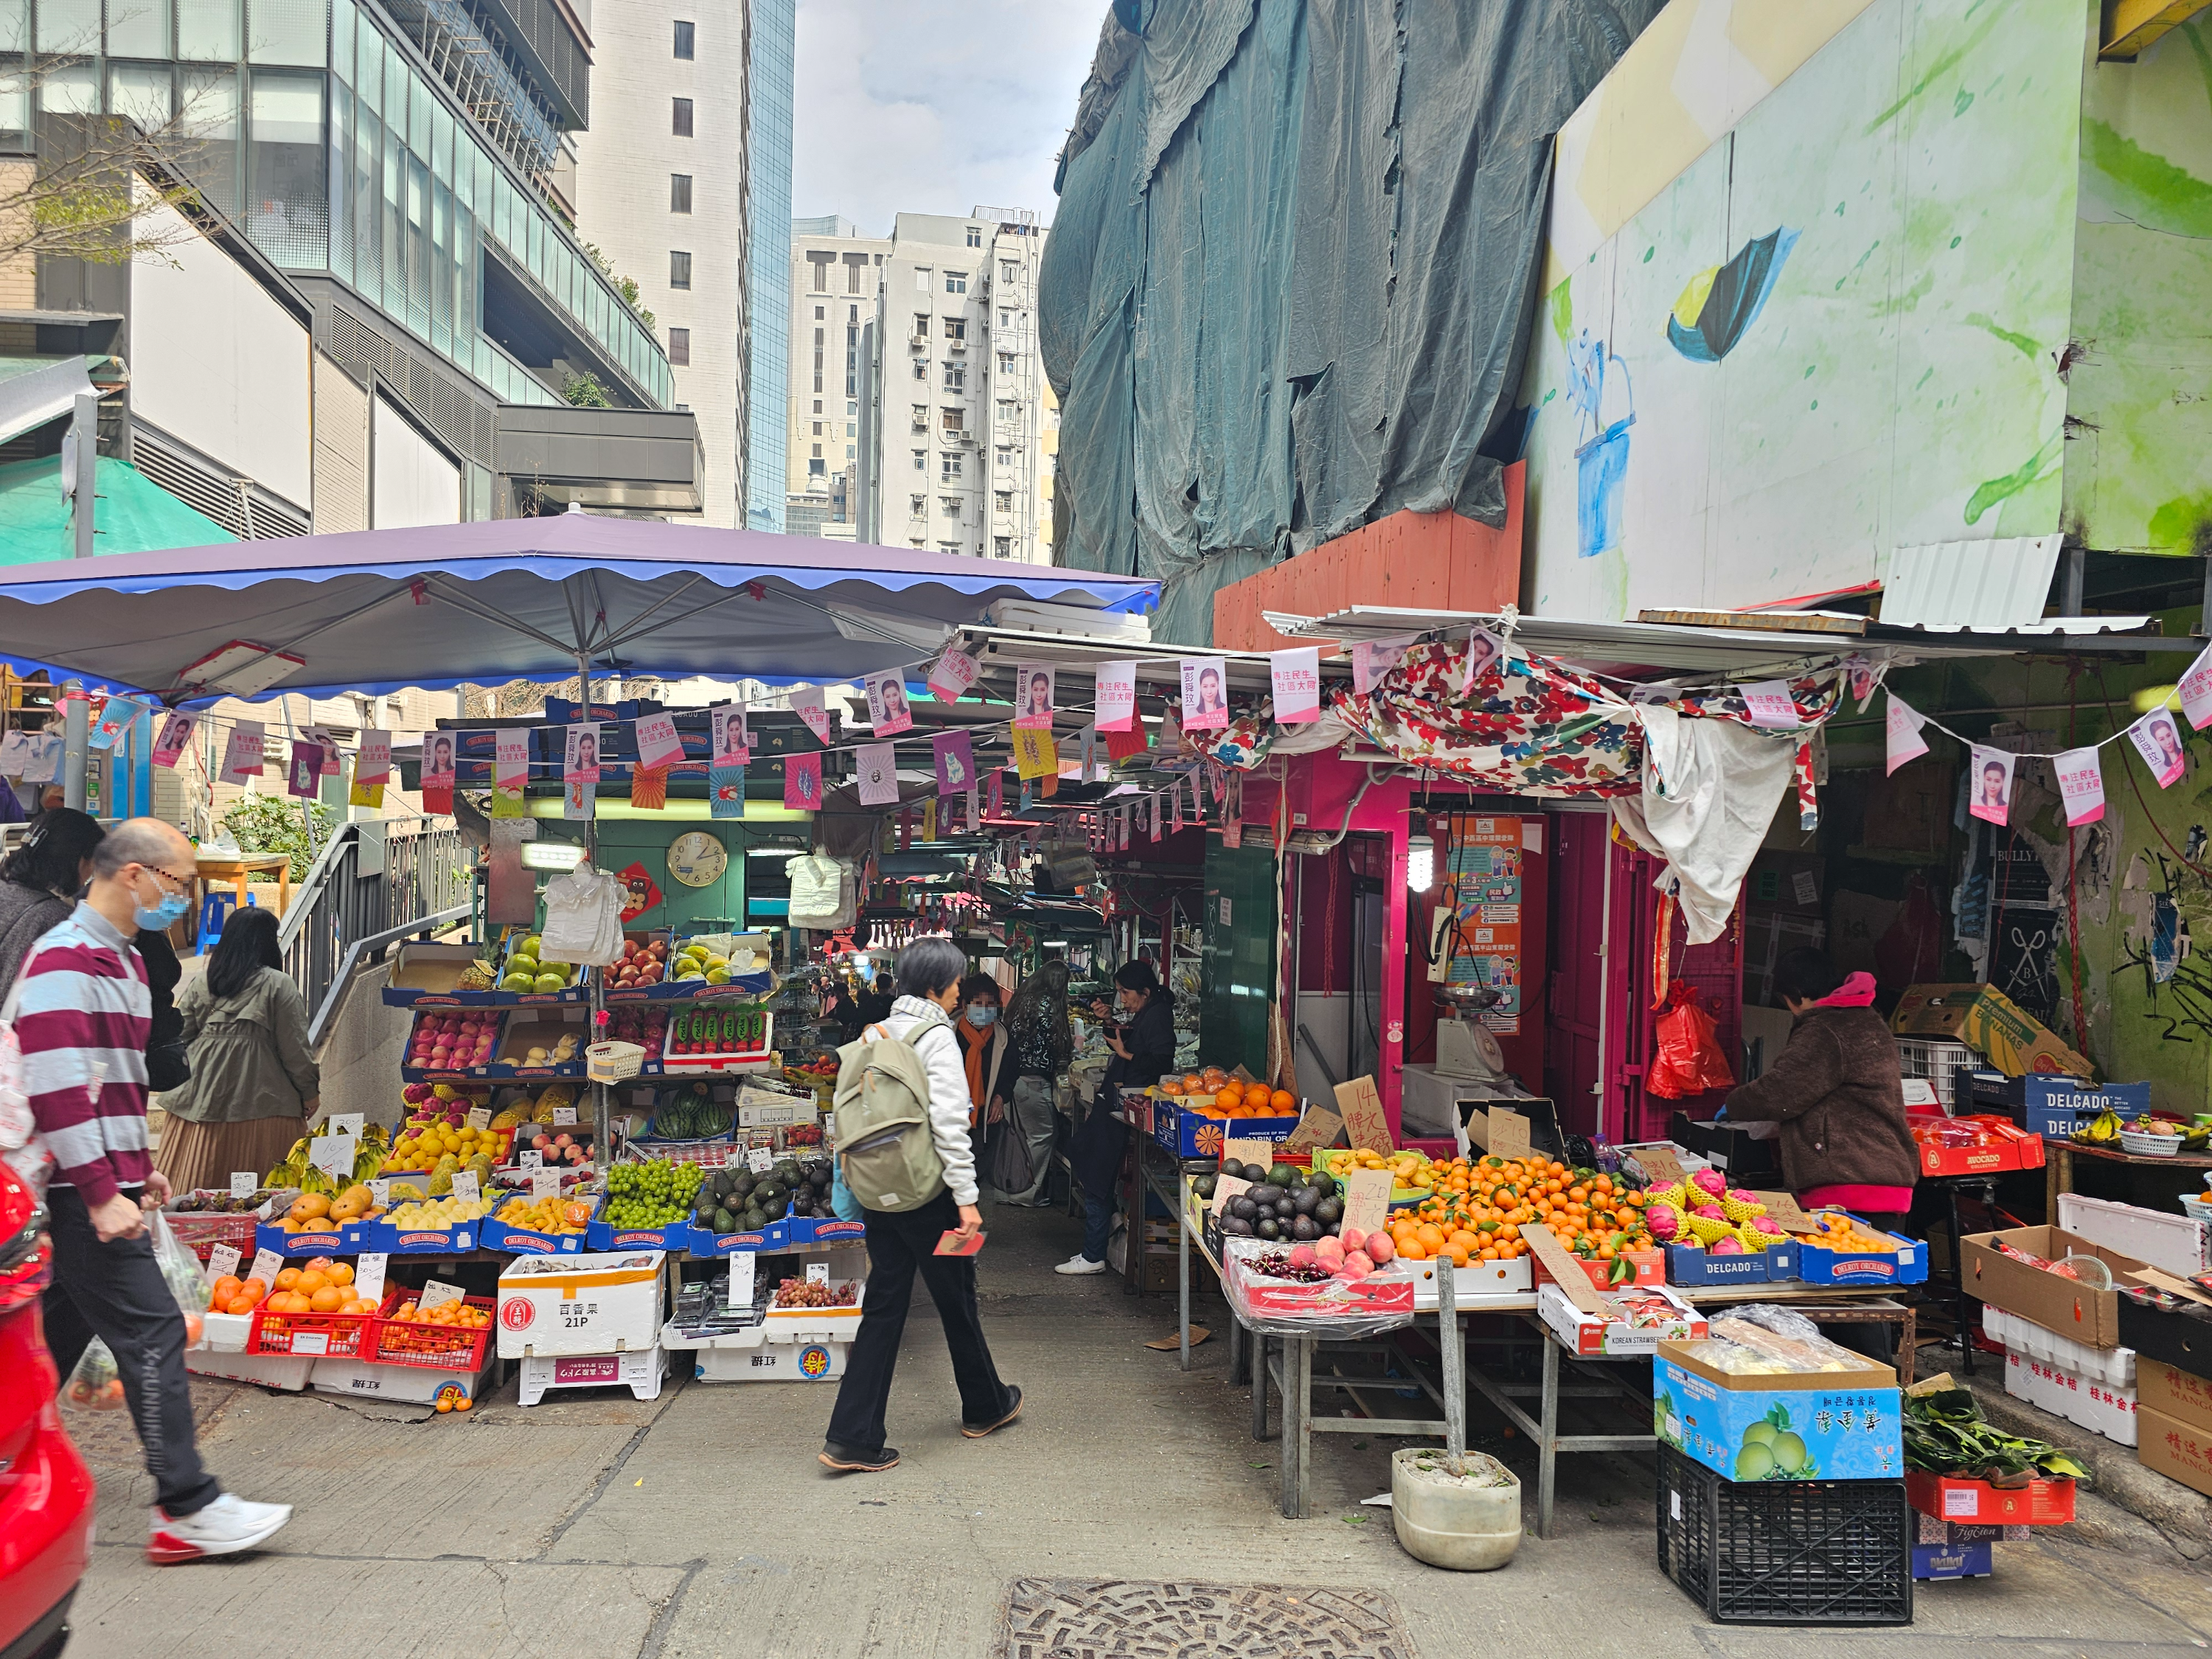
x,y
2194,1208
320,1336
433,1347
1786,1552
612,1061
201,1230
2148,1145
1942,1062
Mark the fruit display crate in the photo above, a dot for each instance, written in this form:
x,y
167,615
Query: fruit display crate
x,y
1644,1267
511,1239
312,1335
1688,1266
320,1240
429,1347
427,975
1819,1266
1786,1552
201,1230
753,1056
396,1240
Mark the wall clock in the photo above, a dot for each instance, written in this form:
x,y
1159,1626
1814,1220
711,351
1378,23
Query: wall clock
x,y
697,858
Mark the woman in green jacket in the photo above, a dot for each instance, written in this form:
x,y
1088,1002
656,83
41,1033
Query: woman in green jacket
x,y
254,1083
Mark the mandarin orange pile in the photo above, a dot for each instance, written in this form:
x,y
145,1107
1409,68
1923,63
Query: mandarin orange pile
x,y
1475,1212
322,1286
1213,1093
456,1314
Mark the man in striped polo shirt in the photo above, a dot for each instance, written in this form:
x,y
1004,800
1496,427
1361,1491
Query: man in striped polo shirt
x,y
82,1014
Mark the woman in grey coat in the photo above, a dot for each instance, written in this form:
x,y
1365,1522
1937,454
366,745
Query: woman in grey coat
x,y
254,1082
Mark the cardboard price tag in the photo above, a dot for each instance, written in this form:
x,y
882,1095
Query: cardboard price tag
x,y
1226,1188
1367,1200
1365,1124
1319,1127
368,1276
333,1154
817,1273
244,1183
1509,1133
223,1259
740,1293
379,1193
267,1264
760,1159
1237,1150
1562,1265
467,1189
544,1183
480,1118
530,1160
564,1117
1787,1214
1661,1164
348,1123
436,1294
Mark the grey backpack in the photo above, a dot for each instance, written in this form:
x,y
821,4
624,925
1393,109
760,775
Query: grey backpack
x,y
885,1150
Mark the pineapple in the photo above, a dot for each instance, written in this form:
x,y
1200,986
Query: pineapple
x,y
477,977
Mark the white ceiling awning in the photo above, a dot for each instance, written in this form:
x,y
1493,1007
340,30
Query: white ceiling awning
x,y
32,394
1682,649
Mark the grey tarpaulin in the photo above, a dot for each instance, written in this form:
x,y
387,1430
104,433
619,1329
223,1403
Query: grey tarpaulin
x,y
1293,268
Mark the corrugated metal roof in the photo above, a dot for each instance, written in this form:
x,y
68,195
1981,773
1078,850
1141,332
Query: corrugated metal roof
x,y
1724,650
1996,584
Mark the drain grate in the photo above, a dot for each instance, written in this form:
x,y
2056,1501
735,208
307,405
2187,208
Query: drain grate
x,y
1131,1618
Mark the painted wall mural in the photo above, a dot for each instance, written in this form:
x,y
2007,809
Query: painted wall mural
x,y
1842,321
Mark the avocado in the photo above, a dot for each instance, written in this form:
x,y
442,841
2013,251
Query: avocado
x,y
764,1189
1330,1212
725,1222
1244,1206
1324,1183
753,1220
1305,1201
741,1184
776,1208
786,1173
1283,1174
1269,1228
1305,1229
1203,1186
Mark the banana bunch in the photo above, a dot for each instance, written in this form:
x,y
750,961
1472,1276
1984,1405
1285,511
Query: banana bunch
x,y
2102,1130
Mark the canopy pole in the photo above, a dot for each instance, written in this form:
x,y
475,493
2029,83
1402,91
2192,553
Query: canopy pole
x,y
76,732
602,1116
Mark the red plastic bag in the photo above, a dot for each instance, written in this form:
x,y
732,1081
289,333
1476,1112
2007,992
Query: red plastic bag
x,y
1689,1061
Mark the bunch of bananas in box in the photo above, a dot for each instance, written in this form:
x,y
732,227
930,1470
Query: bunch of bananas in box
x,y
298,1169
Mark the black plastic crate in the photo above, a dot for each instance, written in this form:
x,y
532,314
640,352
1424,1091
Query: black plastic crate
x,y
1786,1552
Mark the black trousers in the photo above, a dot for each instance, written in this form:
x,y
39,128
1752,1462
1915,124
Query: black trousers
x,y
115,1291
899,1245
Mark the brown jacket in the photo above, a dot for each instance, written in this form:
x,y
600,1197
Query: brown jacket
x,y
1835,1089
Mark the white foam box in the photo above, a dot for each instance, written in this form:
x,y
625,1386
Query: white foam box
x,y
222,1332
2177,1243
605,1302
417,1385
2113,1367
774,1362
638,1371
270,1370
1470,1283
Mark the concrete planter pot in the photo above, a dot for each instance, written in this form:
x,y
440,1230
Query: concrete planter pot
x,y
1451,1523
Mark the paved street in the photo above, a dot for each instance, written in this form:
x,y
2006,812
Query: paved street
x,y
700,1525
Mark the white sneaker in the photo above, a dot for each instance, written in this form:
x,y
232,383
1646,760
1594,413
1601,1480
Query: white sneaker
x,y
1080,1263
223,1528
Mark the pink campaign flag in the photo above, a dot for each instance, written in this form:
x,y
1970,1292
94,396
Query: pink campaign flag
x,y
657,743
1989,784
1115,700
1770,705
2082,785
1483,649
242,760
1372,659
1205,694
1905,742
174,738
2196,689
2157,738
887,710
806,703
952,676
802,782
1296,675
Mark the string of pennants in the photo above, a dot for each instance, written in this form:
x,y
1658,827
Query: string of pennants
x,y
2155,736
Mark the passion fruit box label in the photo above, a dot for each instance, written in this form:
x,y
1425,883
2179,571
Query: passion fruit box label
x,y
1814,1426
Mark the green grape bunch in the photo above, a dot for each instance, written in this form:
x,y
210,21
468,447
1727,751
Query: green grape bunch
x,y
650,1195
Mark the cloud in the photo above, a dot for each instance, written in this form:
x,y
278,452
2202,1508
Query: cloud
x,y
932,106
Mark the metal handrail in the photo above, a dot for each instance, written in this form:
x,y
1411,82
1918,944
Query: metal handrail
x,y
424,882
374,942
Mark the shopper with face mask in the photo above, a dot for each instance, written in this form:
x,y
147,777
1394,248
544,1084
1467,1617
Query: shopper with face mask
x,y
84,1014
984,1051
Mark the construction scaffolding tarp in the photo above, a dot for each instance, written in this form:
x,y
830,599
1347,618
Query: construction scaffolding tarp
x,y
1293,270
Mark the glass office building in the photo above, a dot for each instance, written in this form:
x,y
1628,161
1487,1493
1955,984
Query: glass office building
x,y
768,276
324,130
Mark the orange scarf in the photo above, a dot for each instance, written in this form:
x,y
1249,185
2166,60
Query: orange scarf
x,y
978,1045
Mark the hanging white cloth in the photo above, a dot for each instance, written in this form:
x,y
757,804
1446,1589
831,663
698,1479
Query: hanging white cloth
x,y
1711,788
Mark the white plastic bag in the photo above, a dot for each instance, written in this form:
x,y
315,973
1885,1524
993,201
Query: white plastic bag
x,y
583,919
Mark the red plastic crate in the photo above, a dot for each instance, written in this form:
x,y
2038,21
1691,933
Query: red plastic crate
x,y
433,1347
321,1335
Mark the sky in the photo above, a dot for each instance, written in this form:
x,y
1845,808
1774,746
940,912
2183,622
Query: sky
x,y
934,105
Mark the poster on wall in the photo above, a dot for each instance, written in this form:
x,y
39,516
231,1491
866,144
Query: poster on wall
x,y
1482,884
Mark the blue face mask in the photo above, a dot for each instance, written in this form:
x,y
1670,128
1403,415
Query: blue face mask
x,y
170,908
981,1016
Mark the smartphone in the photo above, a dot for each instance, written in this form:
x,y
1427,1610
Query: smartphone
x,y
950,1244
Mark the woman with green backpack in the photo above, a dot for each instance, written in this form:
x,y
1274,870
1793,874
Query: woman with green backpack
x,y
903,1154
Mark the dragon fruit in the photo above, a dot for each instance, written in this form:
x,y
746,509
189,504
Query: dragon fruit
x,y
1729,1245
1663,1223
1711,1213
1739,1205
1710,1181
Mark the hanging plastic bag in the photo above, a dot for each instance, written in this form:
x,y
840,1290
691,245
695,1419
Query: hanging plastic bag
x,y
95,1385
583,919
1688,1060
183,1272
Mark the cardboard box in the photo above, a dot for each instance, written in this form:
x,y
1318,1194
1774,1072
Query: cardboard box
x,y
1939,1561
2179,1450
2038,1504
2050,1300
287,1372
2009,1147
823,1361
1847,1423
2171,1392
2178,1244
1476,1279
552,1305
1186,1135
1687,1265
1817,1265
2057,1106
414,1384
1604,1332
1990,1023
2115,1367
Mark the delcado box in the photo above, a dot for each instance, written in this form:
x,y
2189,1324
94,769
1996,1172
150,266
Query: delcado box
x,y
610,1302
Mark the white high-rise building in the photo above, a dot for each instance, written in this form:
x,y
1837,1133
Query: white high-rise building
x,y
662,189
928,394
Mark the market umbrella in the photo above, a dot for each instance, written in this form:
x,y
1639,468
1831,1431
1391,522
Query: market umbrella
x,y
514,598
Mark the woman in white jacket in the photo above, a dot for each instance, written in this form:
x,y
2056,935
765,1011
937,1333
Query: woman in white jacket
x,y
903,1242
